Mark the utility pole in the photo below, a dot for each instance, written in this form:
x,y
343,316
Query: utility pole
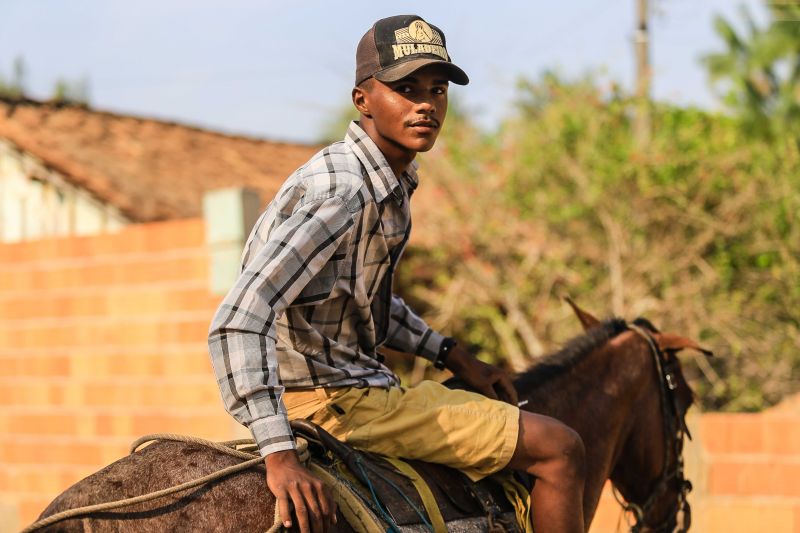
x,y
642,124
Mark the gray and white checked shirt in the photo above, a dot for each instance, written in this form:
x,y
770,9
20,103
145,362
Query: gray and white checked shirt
x,y
314,302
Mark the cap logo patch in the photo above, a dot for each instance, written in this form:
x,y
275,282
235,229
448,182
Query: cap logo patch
x,y
418,38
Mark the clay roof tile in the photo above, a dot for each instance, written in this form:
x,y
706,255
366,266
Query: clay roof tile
x,y
149,169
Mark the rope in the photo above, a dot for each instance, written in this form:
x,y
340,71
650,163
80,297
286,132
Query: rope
x,y
392,524
393,528
230,448
277,523
355,509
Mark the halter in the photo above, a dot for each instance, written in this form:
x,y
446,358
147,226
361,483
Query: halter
x,y
674,426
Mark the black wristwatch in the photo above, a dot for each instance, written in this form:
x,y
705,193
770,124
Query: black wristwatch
x,y
447,345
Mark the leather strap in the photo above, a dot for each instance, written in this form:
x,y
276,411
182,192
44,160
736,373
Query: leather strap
x,y
428,500
490,508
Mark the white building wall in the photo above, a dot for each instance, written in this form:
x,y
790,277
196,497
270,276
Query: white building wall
x,y
37,202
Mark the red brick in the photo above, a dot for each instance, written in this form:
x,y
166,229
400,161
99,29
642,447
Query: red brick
x,y
17,280
752,477
57,452
29,250
121,301
732,433
44,304
212,424
43,479
185,267
186,331
106,424
782,435
5,478
103,392
26,392
160,300
188,363
796,513
741,515
157,236
30,366
123,332
38,423
173,393
179,265
189,232
31,507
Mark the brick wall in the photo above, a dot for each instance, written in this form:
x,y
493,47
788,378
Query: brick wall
x,y
751,471
745,468
103,339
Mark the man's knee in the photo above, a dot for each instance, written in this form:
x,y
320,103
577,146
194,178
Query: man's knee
x,y
549,447
572,452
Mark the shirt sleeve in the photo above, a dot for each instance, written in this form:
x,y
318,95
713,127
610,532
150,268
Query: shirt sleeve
x,y
409,333
242,337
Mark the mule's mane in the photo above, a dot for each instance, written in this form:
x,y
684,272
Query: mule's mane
x,y
570,355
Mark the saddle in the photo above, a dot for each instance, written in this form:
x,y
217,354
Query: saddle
x,y
377,493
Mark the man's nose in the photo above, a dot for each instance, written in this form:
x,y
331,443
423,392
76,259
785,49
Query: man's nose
x,y
426,106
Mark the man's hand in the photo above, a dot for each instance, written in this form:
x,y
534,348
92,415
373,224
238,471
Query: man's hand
x,y
313,503
485,378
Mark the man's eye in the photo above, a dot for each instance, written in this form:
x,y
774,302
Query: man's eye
x,y
440,90
403,89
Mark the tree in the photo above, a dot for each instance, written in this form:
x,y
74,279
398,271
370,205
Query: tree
x,y
64,91
699,233
71,92
759,71
14,88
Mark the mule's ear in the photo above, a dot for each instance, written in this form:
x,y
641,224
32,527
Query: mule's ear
x,y
669,342
587,320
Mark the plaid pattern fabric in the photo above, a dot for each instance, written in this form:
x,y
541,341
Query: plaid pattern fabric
x,y
314,302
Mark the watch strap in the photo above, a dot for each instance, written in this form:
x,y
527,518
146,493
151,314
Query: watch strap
x,y
444,350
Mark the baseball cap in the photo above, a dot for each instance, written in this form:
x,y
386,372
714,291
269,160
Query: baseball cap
x,y
395,47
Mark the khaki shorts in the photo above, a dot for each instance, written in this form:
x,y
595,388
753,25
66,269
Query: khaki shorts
x,y
428,422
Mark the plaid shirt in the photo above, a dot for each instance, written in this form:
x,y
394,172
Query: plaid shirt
x,y
314,302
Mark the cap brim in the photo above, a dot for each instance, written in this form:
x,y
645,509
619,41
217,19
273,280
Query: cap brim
x,y
402,70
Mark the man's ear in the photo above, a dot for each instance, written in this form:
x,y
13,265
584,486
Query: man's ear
x,y
360,101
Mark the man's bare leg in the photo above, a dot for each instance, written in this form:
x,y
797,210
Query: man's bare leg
x,y
554,454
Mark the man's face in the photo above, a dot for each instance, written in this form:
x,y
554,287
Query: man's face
x,y
407,114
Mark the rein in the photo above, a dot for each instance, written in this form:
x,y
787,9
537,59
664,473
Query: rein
x,y
675,427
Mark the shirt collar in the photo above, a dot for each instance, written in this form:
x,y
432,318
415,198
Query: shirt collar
x,y
380,174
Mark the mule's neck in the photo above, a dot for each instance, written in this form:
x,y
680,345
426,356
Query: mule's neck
x,y
599,397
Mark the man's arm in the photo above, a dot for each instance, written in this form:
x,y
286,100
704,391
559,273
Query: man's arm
x,y
410,334
242,341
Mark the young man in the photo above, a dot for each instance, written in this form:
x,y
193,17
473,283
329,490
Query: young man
x,y
299,334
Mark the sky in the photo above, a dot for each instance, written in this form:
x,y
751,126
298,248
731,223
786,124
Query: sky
x,y
281,70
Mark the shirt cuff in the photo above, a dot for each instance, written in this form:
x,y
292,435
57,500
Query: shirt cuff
x,y
272,434
430,345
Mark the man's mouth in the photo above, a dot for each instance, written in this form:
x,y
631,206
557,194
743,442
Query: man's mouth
x,y
428,123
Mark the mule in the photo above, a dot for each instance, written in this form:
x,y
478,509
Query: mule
x,y
619,385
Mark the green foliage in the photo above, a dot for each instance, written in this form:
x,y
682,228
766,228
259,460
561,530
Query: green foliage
x,y
334,127
15,87
759,71
64,91
700,234
71,92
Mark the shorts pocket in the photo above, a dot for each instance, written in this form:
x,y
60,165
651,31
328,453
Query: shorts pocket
x,y
342,404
